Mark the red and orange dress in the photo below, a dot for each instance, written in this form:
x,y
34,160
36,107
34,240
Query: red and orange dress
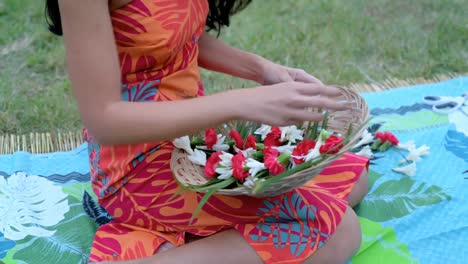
x,y
157,42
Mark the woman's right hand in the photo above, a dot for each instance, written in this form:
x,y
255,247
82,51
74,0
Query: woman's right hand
x,y
289,103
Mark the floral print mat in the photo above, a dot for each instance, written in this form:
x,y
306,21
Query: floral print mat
x,y
417,219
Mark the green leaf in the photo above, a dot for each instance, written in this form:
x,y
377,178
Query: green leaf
x,y
71,242
77,189
210,191
373,176
380,245
411,120
398,198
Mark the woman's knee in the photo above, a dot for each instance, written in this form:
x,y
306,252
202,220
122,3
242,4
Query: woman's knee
x,y
359,190
343,244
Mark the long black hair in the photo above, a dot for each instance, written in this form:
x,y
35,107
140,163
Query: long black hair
x,y
218,16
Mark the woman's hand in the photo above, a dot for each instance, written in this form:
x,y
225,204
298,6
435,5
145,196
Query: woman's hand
x,y
288,103
273,73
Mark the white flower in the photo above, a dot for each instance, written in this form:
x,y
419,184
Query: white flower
x,y
264,130
250,182
247,153
28,204
291,134
409,170
219,146
183,143
315,152
415,154
288,149
254,166
408,145
365,152
365,139
224,168
198,157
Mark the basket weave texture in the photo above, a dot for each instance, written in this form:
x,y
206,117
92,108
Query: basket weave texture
x,y
187,173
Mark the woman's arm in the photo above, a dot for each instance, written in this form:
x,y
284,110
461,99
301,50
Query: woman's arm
x,y
216,55
94,72
95,78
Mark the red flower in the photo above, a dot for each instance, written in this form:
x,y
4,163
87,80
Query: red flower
x,y
251,142
211,138
273,138
387,136
380,136
332,145
302,149
211,164
234,134
271,161
238,168
391,138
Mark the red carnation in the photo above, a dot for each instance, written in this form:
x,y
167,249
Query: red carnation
x,y
332,145
251,142
211,164
236,136
302,149
238,168
271,161
391,138
380,136
273,138
210,138
387,136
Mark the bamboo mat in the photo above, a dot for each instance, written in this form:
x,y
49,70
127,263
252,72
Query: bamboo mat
x,y
66,141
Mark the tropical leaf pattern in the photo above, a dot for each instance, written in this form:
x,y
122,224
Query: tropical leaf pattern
x,y
26,210
381,245
70,243
284,226
457,143
411,121
5,245
289,227
182,18
397,198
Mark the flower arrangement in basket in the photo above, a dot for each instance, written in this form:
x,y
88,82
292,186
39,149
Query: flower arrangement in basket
x,y
245,158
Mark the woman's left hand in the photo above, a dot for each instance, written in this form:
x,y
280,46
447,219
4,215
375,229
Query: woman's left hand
x,y
274,73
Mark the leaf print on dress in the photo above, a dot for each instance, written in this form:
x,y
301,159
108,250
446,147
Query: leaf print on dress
x,y
125,22
30,204
286,223
182,18
141,92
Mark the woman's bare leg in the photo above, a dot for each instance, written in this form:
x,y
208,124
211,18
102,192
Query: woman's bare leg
x,y
360,189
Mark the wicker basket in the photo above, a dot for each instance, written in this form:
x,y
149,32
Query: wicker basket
x,y
187,173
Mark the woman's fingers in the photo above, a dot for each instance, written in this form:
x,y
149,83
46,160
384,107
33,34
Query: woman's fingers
x,y
317,89
300,75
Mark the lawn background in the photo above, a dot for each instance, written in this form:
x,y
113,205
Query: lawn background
x,y
339,41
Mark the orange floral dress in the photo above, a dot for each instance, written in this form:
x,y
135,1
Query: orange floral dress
x,y
157,42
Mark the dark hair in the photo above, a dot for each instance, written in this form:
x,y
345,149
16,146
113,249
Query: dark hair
x,y
218,16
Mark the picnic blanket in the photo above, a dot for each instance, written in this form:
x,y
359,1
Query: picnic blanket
x,y
418,219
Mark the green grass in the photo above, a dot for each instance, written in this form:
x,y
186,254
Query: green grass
x,y
339,41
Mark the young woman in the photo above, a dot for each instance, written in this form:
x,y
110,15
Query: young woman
x,y
134,69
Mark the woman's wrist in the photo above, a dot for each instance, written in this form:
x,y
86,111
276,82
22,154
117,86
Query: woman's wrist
x,y
257,65
237,103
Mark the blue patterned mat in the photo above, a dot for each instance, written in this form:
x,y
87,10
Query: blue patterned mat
x,y
418,219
